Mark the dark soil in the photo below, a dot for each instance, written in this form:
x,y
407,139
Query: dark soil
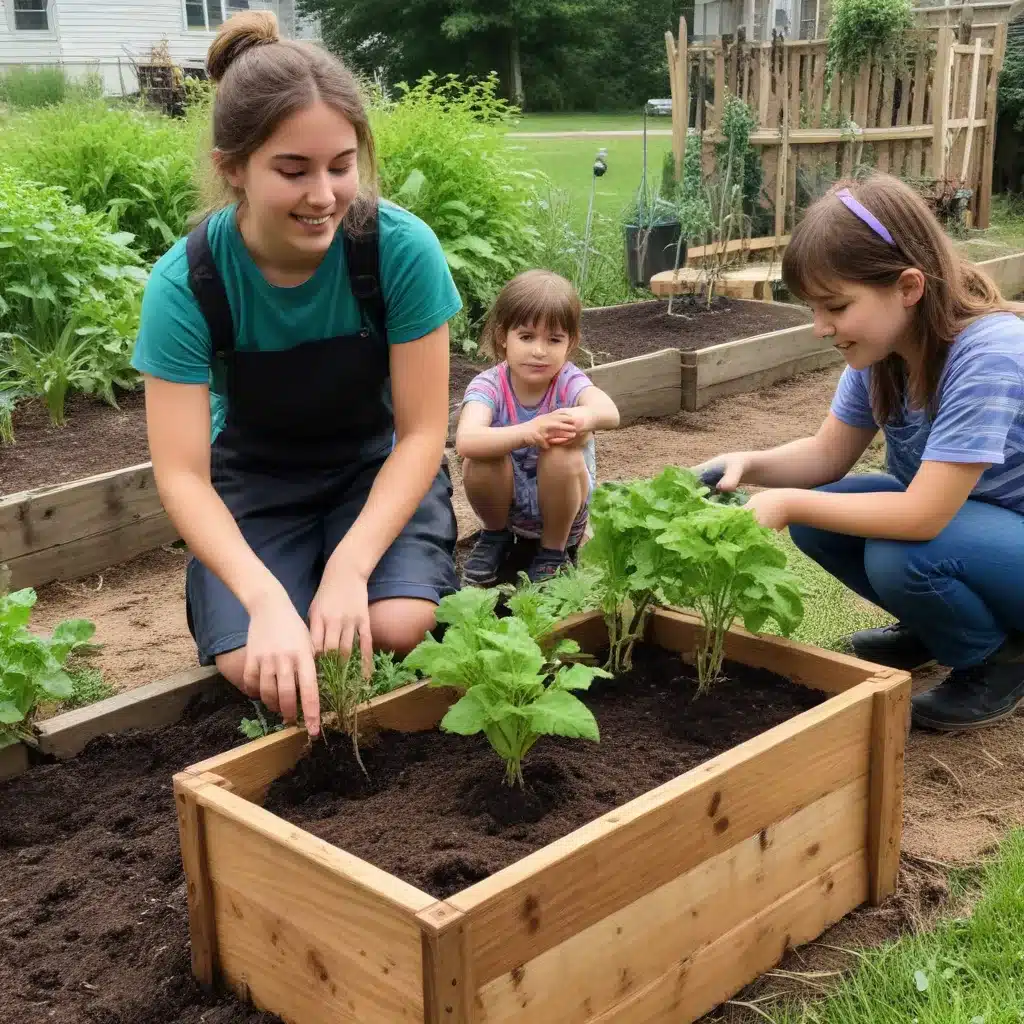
x,y
98,438
436,811
95,439
93,914
619,332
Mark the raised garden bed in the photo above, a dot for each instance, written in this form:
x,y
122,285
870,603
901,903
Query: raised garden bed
x,y
659,908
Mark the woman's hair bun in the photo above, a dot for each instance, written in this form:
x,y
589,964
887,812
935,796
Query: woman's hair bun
x,y
239,34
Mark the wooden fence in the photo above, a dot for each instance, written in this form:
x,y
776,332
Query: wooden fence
x,y
934,119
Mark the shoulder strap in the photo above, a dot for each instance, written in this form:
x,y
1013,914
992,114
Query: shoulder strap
x,y
208,287
362,256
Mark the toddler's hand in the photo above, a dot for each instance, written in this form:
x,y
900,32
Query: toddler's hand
x,y
556,427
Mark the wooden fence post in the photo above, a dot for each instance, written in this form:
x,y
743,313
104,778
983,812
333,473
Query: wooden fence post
x,y
991,115
678,117
683,90
940,101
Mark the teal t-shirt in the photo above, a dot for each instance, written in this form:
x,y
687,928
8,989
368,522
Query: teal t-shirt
x,y
174,343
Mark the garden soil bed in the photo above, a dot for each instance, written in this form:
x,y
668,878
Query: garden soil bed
x,y
436,812
98,438
620,332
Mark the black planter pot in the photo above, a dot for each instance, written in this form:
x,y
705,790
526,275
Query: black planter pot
x,y
649,251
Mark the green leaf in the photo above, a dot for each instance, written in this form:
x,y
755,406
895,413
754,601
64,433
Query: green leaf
x,y
10,714
578,677
468,716
412,186
559,713
16,608
55,684
921,981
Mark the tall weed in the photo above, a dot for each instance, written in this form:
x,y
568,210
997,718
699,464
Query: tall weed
x,y
25,88
135,167
70,292
443,156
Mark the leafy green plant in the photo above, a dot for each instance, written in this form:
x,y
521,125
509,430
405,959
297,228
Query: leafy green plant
x,y
70,294
135,167
727,567
1011,81
442,150
88,687
260,726
343,688
515,692
24,88
544,605
862,30
32,665
389,674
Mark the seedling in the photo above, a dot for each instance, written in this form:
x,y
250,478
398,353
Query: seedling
x,y
32,665
544,605
258,727
514,691
342,689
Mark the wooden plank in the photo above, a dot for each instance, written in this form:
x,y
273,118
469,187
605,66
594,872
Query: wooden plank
x,y
647,385
973,48
918,109
448,989
1007,272
192,836
764,378
899,149
678,115
889,720
13,761
305,930
818,90
971,103
782,170
93,553
885,117
988,151
538,902
719,84
146,707
827,671
683,91
48,516
740,358
941,101
620,955
765,85
721,969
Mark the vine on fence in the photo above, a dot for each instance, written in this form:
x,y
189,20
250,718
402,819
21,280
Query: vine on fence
x,y
862,30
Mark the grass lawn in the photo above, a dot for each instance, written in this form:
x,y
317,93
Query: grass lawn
x,y
569,162
966,971
590,122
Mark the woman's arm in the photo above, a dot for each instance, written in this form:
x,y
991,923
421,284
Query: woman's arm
x,y
920,513
601,412
419,390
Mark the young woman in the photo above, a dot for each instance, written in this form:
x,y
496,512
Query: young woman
x,y
295,353
936,361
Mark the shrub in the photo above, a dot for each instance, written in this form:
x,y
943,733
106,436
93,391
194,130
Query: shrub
x,y
860,30
26,88
442,152
69,297
135,167
1011,81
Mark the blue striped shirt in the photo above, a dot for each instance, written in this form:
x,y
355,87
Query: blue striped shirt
x,y
980,415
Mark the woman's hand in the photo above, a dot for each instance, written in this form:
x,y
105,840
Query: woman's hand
x,y
279,657
725,472
772,508
339,611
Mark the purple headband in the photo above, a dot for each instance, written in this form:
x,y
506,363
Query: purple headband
x,y
861,211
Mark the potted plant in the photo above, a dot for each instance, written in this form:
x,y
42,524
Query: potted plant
x,y
652,231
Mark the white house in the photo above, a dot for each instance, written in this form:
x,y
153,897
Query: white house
x,y
109,36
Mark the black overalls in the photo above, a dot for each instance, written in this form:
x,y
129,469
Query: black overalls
x,y
306,432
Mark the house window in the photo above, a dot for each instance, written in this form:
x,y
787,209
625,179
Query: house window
x,y
31,15
206,15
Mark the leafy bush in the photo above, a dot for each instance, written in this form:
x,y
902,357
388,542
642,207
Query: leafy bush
x,y
860,30
515,691
441,146
136,167
70,293
31,665
26,88
1011,81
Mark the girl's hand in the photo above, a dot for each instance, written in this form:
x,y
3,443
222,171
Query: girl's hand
x,y
724,472
556,427
279,656
771,508
339,610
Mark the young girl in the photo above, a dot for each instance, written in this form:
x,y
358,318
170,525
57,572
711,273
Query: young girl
x,y
526,431
295,353
936,360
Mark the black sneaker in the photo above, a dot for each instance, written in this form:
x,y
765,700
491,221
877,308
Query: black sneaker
x,y
546,563
894,646
969,698
487,557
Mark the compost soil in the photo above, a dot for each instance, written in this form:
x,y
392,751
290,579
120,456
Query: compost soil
x,y
98,438
619,332
436,812
93,911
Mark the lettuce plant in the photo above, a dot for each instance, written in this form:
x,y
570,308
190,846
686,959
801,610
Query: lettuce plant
x,y
31,665
515,692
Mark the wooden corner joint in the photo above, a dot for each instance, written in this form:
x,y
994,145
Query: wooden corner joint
x,y
440,917
194,781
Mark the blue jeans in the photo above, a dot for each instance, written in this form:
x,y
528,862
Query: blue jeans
x,y
961,593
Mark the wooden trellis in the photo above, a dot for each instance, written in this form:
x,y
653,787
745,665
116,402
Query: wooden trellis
x,y
933,119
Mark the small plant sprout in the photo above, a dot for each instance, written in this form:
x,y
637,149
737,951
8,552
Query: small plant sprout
x,y
389,674
545,605
258,727
343,688
514,691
